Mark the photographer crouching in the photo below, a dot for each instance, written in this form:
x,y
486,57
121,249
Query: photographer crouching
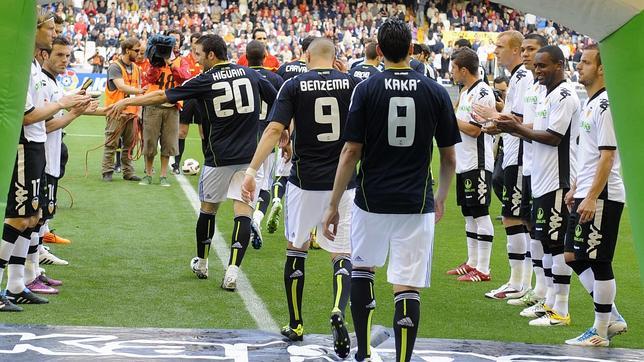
x,y
161,123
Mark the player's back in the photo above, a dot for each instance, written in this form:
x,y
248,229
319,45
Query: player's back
x,y
291,69
364,71
320,104
401,111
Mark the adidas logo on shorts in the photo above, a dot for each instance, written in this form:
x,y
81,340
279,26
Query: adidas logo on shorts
x,y
296,274
405,322
358,258
342,271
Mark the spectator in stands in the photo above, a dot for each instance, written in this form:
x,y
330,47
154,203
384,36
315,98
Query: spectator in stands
x,y
97,61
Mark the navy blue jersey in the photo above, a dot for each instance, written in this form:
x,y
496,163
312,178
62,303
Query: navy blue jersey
x,y
363,71
395,115
231,95
418,66
318,101
291,69
277,82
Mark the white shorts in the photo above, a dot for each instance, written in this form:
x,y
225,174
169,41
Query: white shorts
x,y
265,173
216,184
282,168
305,209
409,238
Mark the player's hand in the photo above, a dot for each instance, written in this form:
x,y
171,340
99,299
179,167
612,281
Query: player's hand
x,y
439,210
569,199
330,222
285,138
507,125
92,107
117,108
72,100
485,112
491,129
339,65
80,108
248,188
500,105
287,153
586,210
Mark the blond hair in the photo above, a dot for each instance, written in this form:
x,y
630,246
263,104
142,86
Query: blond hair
x,y
514,38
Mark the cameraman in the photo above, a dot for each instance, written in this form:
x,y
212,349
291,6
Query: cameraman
x,y
161,122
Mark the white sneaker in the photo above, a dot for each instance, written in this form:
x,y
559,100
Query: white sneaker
x,y
590,338
527,300
506,292
258,216
551,319
536,311
200,269
617,327
230,278
47,258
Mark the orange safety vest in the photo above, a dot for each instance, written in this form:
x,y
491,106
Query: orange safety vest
x,y
193,65
133,80
165,81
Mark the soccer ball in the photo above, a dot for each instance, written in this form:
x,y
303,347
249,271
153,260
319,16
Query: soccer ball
x,y
190,167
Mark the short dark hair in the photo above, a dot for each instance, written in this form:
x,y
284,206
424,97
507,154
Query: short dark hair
x,y
463,43
214,43
59,40
129,43
555,53
501,79
194,36
306,42
541,40
255,53
394,38
370,50
466,58
595,47
175,31
258,30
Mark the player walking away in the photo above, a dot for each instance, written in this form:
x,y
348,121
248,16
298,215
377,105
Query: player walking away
x,y
370,65
283,166
422,53
474,165
255,53
508,53
192,111
231,94
23,209
553,134
318,103
597,199
393,118
531,44
123,81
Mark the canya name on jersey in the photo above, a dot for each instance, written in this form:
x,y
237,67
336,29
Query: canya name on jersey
x,y
324,85
294,68
401,84
228,73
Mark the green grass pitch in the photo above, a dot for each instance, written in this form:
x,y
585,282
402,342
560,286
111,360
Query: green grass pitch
x,y
129,266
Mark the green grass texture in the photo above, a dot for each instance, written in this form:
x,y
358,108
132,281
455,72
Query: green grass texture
x,y
132,244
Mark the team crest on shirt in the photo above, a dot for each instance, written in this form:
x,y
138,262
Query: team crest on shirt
x,y
585,126
564,93
482,93
520,74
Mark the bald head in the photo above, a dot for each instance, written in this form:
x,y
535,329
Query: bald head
x,y
321,49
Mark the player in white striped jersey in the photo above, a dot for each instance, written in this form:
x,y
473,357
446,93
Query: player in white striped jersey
x,y
508,53
596,199
553,133
474,165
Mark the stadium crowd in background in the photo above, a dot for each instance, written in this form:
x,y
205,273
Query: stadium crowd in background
x,y
350,24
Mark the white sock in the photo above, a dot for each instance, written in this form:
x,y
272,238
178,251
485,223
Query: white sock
x,y
540,286
603,297
472,241
550,291
516,255
258,216
16,277
587,279
485,232
31,264
561,278
526,280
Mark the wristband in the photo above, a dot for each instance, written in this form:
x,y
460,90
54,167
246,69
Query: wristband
x,y
251,172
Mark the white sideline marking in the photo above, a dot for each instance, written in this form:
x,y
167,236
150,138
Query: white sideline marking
x,y
253,302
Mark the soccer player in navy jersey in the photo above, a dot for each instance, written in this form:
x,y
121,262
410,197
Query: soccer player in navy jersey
x,y
255,54
393,118
318,103
231,95
370,65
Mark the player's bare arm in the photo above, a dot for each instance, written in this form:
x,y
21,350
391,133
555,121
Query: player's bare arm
x,y
348,159
448,168
152,98
42,113
588,205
